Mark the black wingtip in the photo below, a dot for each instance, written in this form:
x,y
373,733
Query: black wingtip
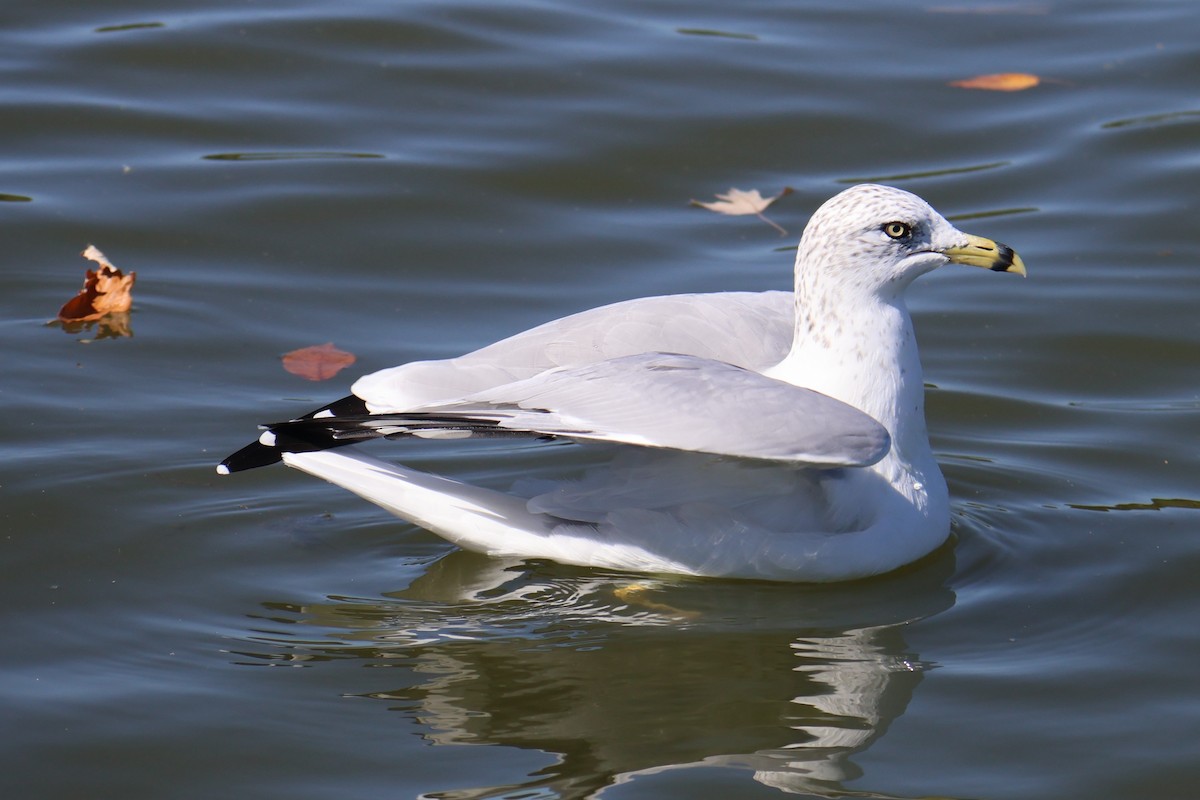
x,y
252,456
295,438
348,406
257,454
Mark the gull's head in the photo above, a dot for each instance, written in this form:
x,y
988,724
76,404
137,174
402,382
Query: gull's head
x,y
879,239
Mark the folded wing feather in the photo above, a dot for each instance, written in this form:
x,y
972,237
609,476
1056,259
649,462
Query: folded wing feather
x,y
663,400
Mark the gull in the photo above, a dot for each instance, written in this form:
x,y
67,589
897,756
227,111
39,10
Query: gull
x,y
761,435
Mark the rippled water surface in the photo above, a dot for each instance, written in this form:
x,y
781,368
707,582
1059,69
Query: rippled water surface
x,y
413,180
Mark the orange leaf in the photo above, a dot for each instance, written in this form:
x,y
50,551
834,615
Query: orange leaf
x,y
106,290
1000,82
317,363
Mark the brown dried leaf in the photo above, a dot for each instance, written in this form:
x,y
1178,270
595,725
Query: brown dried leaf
x,y
737,202
317,363
1000,82
106,290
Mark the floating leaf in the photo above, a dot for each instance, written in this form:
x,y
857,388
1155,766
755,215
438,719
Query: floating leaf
x,y
737,202
106,290
1000,82
317,363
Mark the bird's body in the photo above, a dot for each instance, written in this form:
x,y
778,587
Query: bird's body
x,y
776,435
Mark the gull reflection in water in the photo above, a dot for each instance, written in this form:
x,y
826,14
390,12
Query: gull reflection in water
x,y
617,677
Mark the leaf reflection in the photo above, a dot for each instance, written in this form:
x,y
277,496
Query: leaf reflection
x,y
113,325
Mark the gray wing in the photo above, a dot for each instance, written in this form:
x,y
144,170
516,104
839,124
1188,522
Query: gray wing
x,y
664,400
748,329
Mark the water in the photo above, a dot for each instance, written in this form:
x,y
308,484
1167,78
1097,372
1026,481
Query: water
x,y
414,180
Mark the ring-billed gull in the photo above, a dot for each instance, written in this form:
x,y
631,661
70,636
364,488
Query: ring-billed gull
x,y
776,435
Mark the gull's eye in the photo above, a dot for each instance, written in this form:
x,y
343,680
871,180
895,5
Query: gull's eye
x,y
897,230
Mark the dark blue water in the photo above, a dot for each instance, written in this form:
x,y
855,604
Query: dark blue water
x,y
413,180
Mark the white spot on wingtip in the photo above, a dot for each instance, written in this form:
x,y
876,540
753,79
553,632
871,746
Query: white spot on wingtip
x,y
267,439
222,469
442,434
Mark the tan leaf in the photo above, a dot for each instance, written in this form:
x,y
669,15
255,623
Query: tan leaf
x,y
737,202
1000,82
106,290
317,363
